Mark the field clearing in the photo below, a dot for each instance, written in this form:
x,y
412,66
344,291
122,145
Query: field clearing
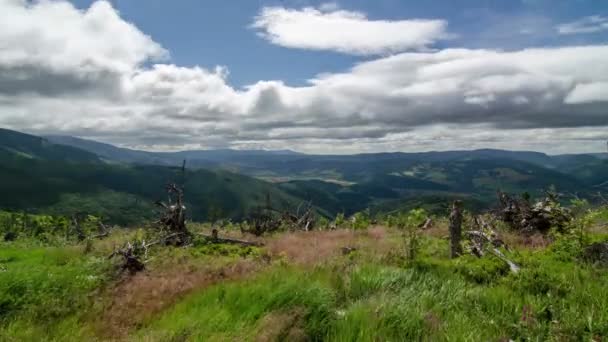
x,y
335,285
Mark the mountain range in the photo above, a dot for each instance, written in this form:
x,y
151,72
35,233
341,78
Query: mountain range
x,y
65,175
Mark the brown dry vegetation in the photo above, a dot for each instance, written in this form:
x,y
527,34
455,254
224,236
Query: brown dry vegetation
x,y
312,248
138,298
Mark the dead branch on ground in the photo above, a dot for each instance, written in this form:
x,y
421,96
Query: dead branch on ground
x,y
214,238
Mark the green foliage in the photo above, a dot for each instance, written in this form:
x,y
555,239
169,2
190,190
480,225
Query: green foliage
x,y
124,194
409,223
361,220
340,220
44,228
232,311
480,270
40,287
548,300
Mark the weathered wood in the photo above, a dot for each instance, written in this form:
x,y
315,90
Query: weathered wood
x,y
173,217
216,239
456,229
102,232
131,259
482,241
428,223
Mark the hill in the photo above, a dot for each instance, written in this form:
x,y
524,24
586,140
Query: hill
x,y
29,146
199,158
220,183
38,176
289,165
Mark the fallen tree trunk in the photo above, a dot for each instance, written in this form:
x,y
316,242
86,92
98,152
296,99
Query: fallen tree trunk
x,y
214,238
427,224
479,240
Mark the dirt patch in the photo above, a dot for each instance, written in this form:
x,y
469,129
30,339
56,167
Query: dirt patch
x,y
136,299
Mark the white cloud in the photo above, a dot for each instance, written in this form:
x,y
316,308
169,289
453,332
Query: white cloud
x,y
50,46
589,92
549,99
329,28
591,24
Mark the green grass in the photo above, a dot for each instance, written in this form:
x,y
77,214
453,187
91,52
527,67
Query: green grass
x,y
435,299
54,293
232,311
44,290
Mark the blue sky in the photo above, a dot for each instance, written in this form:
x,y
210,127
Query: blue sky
x,y
312,76
217,32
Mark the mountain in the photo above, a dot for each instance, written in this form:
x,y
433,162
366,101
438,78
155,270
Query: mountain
x,y
288,165
200,158
231,183
29,146
39,176
106,151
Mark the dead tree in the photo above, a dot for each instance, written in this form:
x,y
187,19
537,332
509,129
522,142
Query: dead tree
x,y
525,217
77,227
268,219
172,219
484,238
303,219
131,255
102,231
456,229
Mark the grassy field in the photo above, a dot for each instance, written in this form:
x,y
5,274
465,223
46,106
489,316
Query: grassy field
x,y
302,286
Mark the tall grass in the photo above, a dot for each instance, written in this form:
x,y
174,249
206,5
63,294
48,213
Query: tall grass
x,y
43,289
313,292
233,311
434,300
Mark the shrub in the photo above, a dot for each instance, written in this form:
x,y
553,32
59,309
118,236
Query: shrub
x,y
409,224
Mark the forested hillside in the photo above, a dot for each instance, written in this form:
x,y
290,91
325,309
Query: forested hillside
x,y
122,184
38,176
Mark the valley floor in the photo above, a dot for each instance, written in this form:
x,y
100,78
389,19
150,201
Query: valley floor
x,y
338,285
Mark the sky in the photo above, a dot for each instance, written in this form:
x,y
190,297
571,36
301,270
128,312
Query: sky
x,y
337,77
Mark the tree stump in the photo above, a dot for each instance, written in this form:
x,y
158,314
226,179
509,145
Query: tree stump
x,y
456,229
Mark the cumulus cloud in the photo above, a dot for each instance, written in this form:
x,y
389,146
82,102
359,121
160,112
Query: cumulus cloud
x,y
330,28
549,99
48,47
591,24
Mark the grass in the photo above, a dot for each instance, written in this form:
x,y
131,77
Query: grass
x,y
352,299
301,286
40,286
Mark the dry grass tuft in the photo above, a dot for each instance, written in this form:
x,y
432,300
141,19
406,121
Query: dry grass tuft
x,y
310,248
136,299
519,240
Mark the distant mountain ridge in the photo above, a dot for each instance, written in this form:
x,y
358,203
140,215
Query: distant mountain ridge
x,y
211,157
59,172
120,154
30,146
37,175
588,169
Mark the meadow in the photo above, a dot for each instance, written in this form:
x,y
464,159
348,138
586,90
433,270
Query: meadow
x,y
351,283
